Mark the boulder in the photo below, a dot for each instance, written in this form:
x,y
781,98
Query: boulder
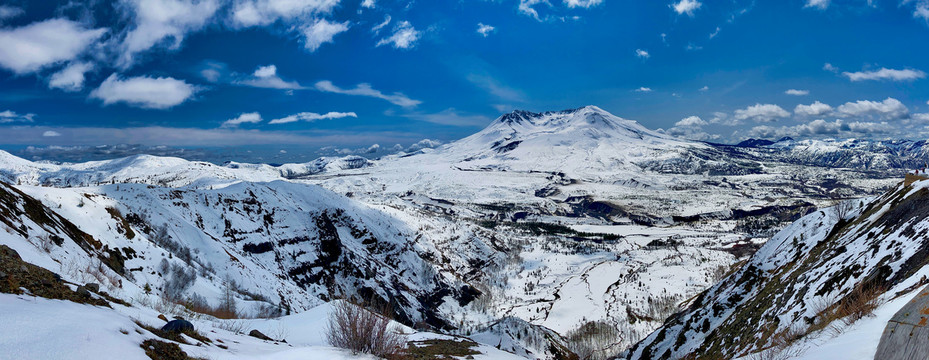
x,y
93,287
258,334
178,326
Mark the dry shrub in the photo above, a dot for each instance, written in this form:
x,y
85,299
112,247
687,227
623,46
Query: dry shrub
x,y
860,302
361,331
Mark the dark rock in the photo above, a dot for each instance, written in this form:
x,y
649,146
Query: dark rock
x,y
82,291
258,334
178,325
7,251
93,287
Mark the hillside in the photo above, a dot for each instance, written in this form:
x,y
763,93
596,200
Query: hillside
x,y
805,279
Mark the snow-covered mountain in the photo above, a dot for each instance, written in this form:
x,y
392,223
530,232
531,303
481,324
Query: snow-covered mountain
x,y
534,235
808,283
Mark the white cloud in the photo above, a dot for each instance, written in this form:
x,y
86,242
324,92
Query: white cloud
x,y
309,116
922,10
247,13
643,90
251,118
51,133
821,127
642,53
320,32
819,4
526,7
705,88
484,29
9,116
829,67
424,144
404,36
35,46
144,92
889,109
886,74
9,12
582,3
157,21
715,33
691,121
366,90
761,113
686,7
266,77
377,28
71,78
815,109
368,4
796,92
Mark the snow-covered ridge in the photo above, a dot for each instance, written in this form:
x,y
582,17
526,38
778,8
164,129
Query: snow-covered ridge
x,y
812,265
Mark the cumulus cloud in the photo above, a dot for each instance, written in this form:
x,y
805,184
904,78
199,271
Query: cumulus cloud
x,y
886,74
582,3
922,10
424,144
248,13
484,29
818,4
71,78
705,88
309,116
761,113
266,77
157,22
691,121
10,116
403,37
796,92
686,7
818,128
320,32
51,133
251,118
889,109
815,109
41,44
366,90
644,90
144,92
642,53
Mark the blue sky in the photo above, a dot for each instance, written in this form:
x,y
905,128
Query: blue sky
x,y
347,74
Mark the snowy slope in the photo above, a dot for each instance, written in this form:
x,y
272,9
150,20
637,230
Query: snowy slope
x,y
803,274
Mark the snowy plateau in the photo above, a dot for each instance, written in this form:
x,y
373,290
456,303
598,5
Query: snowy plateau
x,y
557,235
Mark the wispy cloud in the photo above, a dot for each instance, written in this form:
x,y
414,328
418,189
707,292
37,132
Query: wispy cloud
x,y
886,74
642,54
310,116
154,22
366,90
484,29
10,116
644,90
496,88
403,37
796,92
250,118
452,117
71,78
818,4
